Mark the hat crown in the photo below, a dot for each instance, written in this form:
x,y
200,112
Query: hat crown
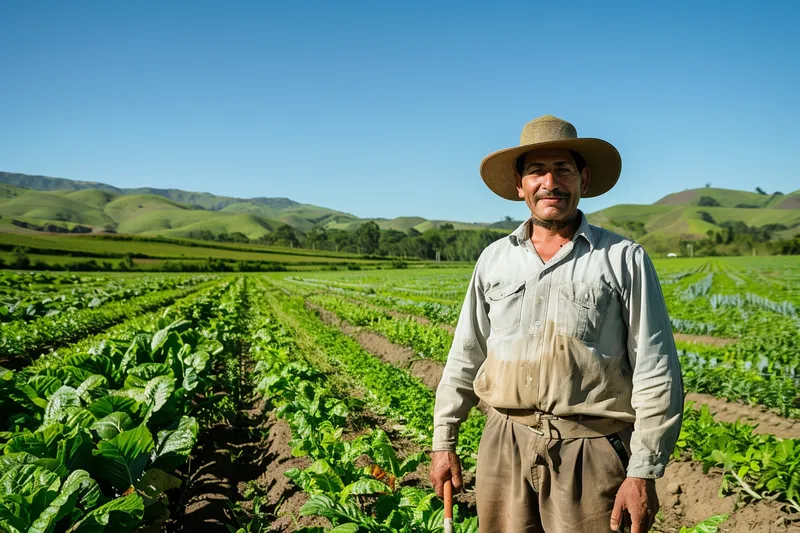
x,y
545,129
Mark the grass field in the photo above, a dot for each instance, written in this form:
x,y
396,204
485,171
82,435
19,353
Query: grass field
x,y
106,246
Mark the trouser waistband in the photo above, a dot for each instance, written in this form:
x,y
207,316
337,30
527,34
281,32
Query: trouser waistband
x,y
561,428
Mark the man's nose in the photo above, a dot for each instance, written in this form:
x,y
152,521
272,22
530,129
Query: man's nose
x,y
548,181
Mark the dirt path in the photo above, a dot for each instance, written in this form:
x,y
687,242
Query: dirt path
x,y
767,422
686,494
704,339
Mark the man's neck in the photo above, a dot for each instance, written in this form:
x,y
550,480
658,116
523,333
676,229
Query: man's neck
x,y
545,231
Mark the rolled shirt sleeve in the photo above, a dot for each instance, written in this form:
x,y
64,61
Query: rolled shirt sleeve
x,y
657,396
455,395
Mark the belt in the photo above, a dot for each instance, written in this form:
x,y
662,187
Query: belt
x,y
561,428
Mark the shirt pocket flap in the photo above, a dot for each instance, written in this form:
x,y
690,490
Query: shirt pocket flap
x,y
585,295
500,293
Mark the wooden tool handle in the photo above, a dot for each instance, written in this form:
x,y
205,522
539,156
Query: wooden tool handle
x,y
448,499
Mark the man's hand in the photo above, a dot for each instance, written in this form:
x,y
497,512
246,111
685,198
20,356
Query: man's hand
x,y
444,466
638,497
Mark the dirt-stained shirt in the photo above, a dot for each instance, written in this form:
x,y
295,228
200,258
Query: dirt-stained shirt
x,y
586,333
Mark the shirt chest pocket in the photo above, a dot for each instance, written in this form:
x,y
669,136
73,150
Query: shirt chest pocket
x,y
505,307
581,310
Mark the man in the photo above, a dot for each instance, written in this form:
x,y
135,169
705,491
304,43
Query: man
x,y
564,335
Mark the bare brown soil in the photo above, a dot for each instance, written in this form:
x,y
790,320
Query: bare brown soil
x,y
767,422
278,491
214,476
704,339
688,496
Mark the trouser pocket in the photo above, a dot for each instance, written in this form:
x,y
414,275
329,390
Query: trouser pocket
x,y
619,448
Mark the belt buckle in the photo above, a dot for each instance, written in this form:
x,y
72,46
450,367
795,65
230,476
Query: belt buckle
x,y
537,427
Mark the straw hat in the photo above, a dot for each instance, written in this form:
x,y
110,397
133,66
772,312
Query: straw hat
x,y
604,162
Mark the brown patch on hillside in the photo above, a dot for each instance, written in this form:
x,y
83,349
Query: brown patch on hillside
x,y
704,339
767,422
790,202
682,197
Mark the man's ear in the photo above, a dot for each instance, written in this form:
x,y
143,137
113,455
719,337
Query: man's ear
x,y
520,191
586,179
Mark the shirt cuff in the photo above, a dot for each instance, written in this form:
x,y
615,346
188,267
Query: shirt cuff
x,y
647,466
445,438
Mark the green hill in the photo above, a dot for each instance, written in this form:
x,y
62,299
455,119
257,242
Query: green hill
x,y
691,214
59,205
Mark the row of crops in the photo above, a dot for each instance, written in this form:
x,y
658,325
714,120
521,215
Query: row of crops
x,y
102,407
91,438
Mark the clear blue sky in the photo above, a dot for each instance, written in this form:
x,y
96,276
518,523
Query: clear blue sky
x,y
387,108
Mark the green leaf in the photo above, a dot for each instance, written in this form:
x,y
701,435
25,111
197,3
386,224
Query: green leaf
x,y
110,404
174,446
158,391
122,459
28,479
89,384
42,443
119,515
75,449
197,361
62,504
325,478
345,528
59,401
384,454
160,337
79,417
411,462
140,375
709,525
364,486
112,425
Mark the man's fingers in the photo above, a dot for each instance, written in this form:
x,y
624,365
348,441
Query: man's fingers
x,y
455,474
616,514
439,489
458,483
638,520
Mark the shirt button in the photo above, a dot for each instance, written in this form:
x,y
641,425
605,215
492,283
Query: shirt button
x,y
586,295
538,323
541,298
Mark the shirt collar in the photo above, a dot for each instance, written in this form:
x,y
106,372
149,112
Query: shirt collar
x,y
522,234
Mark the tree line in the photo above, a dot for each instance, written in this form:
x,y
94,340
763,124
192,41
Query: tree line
x,y
369,239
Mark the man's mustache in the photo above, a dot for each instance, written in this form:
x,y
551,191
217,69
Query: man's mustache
x,y
553,195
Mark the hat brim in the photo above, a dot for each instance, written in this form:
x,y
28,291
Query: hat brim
x,y
604,162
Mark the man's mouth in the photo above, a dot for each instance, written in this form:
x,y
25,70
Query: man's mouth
x,y
552,199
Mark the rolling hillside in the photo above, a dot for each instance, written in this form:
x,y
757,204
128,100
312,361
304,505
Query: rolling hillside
x,y
691,214
55,204
58,204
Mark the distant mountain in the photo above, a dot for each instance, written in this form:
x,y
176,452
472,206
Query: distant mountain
x,y
58,204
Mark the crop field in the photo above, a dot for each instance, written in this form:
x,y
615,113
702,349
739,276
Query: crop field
x,y
302,401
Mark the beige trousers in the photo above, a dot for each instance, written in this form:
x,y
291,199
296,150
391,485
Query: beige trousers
x,y
527,482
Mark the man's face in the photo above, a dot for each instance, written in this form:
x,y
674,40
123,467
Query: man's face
x,y
551,184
